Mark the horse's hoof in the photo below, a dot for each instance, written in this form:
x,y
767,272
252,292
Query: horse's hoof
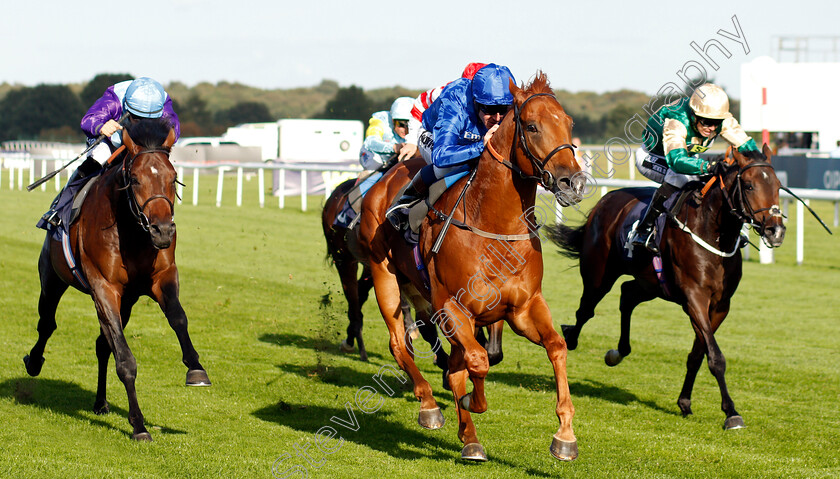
x,y
197,377
431,418
613,357
685,406
142,437
565,451
464,401
101,409
570,336
346,348
33,368
363,354
474,452
733,422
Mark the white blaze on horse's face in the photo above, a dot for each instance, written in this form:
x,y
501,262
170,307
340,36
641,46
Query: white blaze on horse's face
x,y
154,170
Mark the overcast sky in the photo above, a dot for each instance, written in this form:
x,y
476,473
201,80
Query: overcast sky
x,y
581,45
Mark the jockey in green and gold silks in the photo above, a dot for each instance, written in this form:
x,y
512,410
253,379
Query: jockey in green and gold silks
x,y
675,136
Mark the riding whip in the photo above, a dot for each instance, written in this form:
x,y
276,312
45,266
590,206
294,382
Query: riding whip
x,y
87,150
439,240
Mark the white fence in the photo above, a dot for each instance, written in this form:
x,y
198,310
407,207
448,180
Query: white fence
x,y
23,163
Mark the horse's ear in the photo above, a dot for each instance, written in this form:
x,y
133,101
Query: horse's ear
x,y
518,95
170,139
130,146
767,152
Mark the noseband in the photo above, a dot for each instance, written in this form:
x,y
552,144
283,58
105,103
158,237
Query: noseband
x,y
137,210
543,176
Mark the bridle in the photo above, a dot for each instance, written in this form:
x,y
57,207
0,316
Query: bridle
x,y
543,176
744,210
137,210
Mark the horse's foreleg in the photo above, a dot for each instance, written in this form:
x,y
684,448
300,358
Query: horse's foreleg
x,y
472,450
165,292
388,298
107,302
705,322
692,365
535,324
52,288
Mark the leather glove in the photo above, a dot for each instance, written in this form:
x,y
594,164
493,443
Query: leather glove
x,y
717,167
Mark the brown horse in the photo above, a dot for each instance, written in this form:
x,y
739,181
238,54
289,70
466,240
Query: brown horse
x,y
490,267
124,244
698,276
343,249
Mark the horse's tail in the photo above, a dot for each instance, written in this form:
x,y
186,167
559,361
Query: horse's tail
x,y
569,239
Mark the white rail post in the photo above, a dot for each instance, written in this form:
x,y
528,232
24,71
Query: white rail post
x,y
58,164
1,172
31,171
20,178
836,213
180,187
303,190
631,166
239,186
261,186
43,173
604,191
281,199
800,231
11,178
219,185
195,186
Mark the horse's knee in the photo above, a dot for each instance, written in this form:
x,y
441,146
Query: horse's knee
x,y
477,363
127,370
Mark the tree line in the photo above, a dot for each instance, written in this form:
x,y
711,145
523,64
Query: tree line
x,y
53,112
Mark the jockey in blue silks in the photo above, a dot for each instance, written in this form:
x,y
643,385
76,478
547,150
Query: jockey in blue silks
x,y
140,98
455,130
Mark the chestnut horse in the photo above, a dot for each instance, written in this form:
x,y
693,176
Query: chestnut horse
x,y
343,249
124,244
489,268
698,276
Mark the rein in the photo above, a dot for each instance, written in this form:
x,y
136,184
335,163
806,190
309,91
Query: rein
x,y
744,211
137,210
544,177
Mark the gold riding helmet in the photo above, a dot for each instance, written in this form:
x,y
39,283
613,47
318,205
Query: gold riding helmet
x,y
710,101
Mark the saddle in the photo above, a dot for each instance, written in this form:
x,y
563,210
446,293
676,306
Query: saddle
x,y
419,211
673,205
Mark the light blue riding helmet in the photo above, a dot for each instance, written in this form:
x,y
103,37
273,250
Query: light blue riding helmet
x,y
145,98
490,85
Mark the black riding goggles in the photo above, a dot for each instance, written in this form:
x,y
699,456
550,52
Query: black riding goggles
x,y
709,122
401,123
493,110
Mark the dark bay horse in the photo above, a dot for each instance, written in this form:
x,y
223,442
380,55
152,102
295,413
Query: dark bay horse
x,y
124,244
700,278
489,268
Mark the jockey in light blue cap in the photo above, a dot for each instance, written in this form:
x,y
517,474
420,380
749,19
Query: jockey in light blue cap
x,y
141,98
145,98
456,127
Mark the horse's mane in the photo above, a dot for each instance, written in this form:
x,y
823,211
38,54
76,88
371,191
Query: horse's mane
x,y
149,132
539,84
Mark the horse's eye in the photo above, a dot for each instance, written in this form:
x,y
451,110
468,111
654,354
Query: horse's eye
x,y
531,128
134,180
748,186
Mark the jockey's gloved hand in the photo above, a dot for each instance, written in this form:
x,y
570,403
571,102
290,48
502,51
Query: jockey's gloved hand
x,y
717,167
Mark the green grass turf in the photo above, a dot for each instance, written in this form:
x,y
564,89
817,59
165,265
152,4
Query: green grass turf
x,y
266,314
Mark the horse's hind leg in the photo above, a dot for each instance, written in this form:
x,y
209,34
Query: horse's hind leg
x,y
597,282
356,291
165,292
52,288
632,295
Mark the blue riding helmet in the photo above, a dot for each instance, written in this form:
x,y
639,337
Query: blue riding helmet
x,y
145,98
490,85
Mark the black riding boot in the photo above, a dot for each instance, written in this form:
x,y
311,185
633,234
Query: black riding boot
x,y
86,169
398,212
643,235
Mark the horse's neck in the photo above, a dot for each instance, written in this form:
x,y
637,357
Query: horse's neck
x,y
713,217
499,200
